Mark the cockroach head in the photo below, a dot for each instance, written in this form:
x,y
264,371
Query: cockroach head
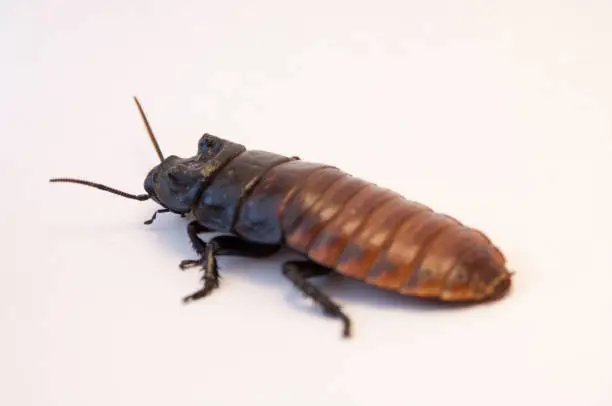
x,y
176,183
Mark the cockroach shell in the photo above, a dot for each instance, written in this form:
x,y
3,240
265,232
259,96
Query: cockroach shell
x,y
333,238
398,263
477,275
338,221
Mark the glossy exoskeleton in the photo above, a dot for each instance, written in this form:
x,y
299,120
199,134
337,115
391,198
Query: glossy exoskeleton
x,y
264,201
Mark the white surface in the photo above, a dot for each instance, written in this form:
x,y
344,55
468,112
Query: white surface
x,y
498,114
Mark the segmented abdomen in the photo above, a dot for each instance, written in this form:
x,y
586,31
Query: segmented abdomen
x,y
373,234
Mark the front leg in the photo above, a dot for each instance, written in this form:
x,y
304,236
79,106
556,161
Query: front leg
x,y
224,245
193,229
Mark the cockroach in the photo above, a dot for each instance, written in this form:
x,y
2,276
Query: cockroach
x,y
264,201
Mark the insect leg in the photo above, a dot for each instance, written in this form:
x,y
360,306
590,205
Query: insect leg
x,y
225,245
152,219
193,229
298,271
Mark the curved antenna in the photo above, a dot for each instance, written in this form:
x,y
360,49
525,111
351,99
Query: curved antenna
x,y
102,187
149,131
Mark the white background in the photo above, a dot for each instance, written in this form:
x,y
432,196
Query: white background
x,y
498,113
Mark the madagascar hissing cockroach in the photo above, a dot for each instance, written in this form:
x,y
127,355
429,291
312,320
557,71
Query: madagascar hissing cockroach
x,y
339,223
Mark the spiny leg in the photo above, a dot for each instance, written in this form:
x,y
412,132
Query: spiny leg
x,y
210,277
225,245
298,271
193,229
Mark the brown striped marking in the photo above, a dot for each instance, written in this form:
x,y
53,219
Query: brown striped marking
x,y
411,243
329,204
376,235
365,245
331,240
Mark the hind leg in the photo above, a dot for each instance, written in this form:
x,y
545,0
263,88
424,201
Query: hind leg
x,y
298,272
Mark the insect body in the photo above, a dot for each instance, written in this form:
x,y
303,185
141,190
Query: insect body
x,y
340,223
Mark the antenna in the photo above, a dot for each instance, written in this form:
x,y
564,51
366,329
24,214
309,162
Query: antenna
x,y
102,187
149,131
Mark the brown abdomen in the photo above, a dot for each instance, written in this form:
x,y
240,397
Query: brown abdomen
x,y
375,235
